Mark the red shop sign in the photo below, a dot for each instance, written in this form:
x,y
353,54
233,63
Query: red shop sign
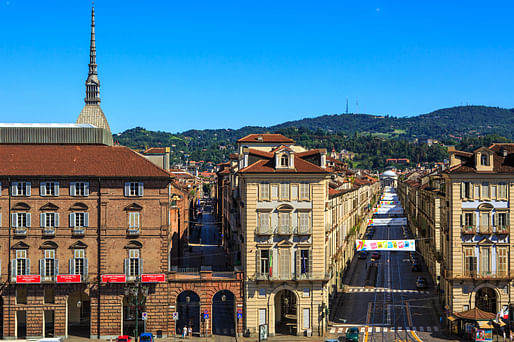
x,y
28,279
68,278
114,278
153,278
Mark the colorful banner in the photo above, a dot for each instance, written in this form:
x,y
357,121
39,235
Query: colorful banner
x,y
386,245
153,278
68,278
28,279
114,278
400,221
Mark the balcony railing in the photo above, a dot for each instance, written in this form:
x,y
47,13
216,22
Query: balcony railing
x,y
468,230
302,230
133,231
78,231
292,276
480,275
283,230
48,232
485,230
502,229
20,232
264,230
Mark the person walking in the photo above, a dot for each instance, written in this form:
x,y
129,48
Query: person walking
x,y
184,331
190,331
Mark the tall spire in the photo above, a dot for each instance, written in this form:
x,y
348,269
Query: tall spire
x,y
92,114
92,82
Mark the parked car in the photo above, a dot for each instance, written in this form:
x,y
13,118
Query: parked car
x,y
362,255
352,335
123,338
421,283
416,267
375,255
146,337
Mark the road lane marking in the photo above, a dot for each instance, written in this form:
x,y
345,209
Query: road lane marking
x,y
415,336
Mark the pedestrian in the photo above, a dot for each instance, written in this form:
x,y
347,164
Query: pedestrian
x,y
511,336
184,331
190,330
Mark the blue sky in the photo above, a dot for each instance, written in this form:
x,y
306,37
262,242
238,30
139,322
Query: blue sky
x,y
178,65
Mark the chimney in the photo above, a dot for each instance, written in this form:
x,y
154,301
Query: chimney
x,y
504,152
246,152
259,138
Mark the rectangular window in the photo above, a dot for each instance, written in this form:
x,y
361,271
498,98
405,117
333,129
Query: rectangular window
x,y
303,222
304,261
262,316
49,295
264,222
306,318
264,262
502,260
294,192
468,219
49,263
134,263
493,192
477,191
21,295
283,220
285,263
502,220
21,263
49,220
262,292
79,189
485,260
284,191
485,190
21,220
470,261
264,191
304,191
20,188
133,189
502,191
484,220
134,219
49,189
466,190
274,191
79,219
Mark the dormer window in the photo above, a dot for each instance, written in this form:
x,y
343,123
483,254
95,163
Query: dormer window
x,y
484,159
284,160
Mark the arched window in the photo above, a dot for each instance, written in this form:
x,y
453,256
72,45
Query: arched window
x,y
284,160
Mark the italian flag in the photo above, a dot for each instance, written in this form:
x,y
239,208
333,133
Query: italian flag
x,y
271,263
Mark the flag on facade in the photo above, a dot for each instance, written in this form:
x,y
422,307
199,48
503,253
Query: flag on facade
x,y
271,263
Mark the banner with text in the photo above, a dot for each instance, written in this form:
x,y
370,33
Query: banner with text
x,y
386,245
401,221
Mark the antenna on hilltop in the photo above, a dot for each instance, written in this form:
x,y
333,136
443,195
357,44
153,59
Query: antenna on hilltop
x,y
346,105
357,104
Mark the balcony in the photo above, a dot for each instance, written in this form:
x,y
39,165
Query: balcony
x,y
485,230
78,231
283,230
303,230
133,232
20,232
48,232
481,275
264,230
292,276
502,229
470,230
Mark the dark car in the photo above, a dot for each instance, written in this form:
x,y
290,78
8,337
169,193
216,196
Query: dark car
x,y
416,267
375,255
352,335
421,283
362,255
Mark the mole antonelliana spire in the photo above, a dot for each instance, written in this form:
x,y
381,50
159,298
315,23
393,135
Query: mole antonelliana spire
x,y
92,113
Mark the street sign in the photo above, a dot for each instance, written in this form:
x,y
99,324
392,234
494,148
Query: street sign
x,y
205,316
68,278
153,278
175,316
114,278
144,316
28,279
239,315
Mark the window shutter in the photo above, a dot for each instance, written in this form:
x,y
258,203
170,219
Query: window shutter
x,y
56,220
461,221
14,189
140,191
462,190
28,219
14,220
86,219
474,219
310,262
0,219
140,266
42,189
73,188
86,189
71,266
41,267
27,188
85,267
72,220
42,220
127,189
56,189
258,260
493,219
56,266
0,188
27,266
298,263
126,267
13,268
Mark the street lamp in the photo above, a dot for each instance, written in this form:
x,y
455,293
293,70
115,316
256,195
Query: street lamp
x,y
136,295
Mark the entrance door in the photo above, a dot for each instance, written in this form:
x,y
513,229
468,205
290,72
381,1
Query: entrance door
x,y
79,314
285,313
21,324
188,308
223,311
486,300
49,323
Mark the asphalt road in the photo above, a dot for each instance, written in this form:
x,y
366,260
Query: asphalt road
x,y
393,308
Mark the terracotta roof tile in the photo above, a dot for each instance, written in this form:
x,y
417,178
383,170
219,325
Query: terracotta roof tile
x,y
266,138
267,166
260,153
311,152
155,150
75,160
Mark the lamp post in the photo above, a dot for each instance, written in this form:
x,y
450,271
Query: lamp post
x,y
137,294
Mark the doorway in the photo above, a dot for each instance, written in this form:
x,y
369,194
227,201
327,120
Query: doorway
x,y
223,311
486,300
79,314
286,313
188,308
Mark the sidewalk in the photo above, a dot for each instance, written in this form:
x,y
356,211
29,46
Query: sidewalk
x,y
216,338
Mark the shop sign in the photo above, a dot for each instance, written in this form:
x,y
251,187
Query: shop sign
x,y
68,278
153,278
28,279
114,278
